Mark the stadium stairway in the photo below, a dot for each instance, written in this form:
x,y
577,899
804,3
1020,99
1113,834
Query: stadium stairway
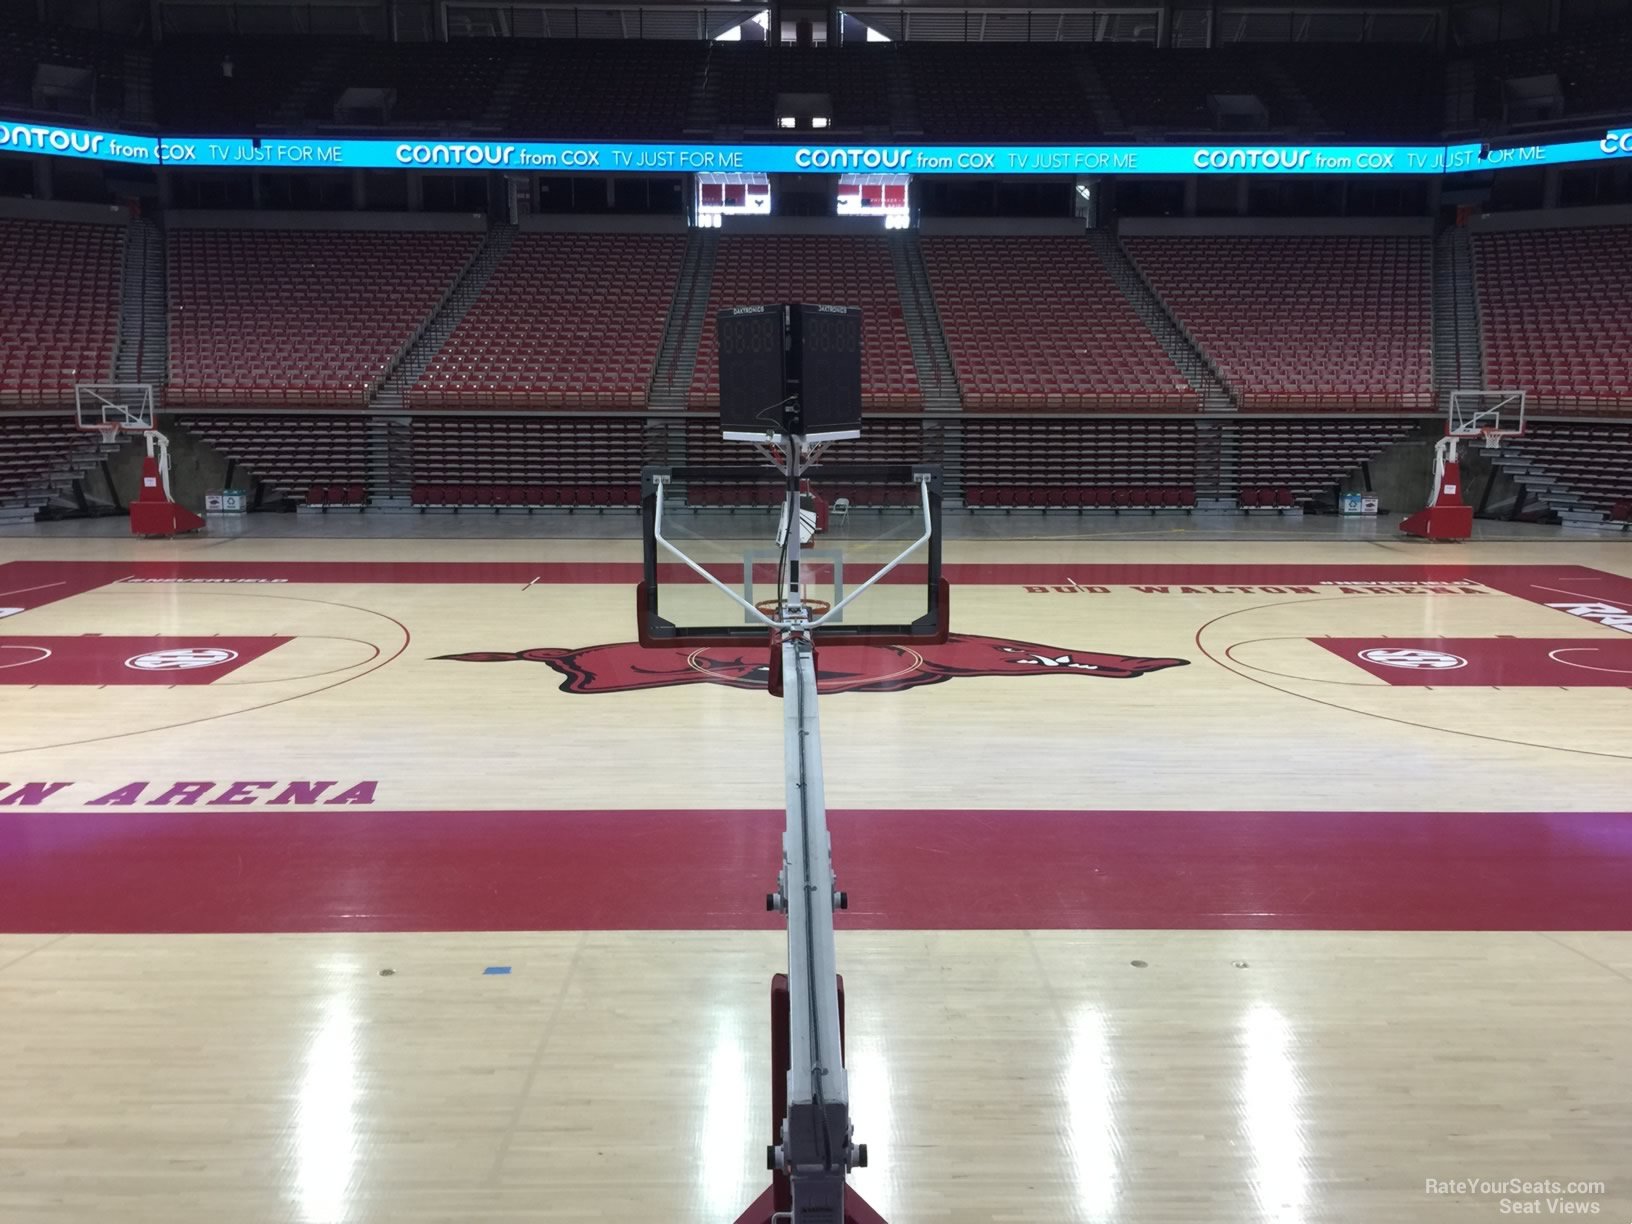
x,y
391,398
1192,363
389,460
1106,116
1462,99
137,74
703,106
677,356
507,91
292,112
1458,362
1218,464
1544,488
142,353
904,117
937,380
1304,114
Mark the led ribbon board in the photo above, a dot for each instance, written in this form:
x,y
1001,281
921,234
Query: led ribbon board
x,y
228,152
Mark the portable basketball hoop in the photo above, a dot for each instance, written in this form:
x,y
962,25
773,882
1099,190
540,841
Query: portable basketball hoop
x,y
113,409
871,599
1489,417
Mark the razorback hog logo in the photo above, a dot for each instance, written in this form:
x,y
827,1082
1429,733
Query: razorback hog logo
x,y
622,667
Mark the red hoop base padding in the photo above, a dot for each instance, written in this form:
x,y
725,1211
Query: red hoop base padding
x,y
1440,523
856,1211
149,518
778,1197
1449,518
154,514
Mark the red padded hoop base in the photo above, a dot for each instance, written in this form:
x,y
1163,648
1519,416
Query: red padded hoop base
x,y
778,1197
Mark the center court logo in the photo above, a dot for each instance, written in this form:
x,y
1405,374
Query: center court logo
x,y
1414,660
622,667
186,658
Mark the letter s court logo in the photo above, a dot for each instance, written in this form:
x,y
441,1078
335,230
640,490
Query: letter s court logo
x,y
1414,660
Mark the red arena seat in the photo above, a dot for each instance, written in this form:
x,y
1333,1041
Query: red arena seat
x,y
1552,308
59,296
315,318
1303,323
321,459
565,321
530,461
1038,323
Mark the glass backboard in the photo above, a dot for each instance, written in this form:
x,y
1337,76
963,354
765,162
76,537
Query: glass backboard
x,y
855,520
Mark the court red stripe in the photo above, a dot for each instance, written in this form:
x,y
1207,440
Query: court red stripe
x,y
358,870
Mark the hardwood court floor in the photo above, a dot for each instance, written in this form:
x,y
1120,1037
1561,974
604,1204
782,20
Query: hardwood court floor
x,y
1169,906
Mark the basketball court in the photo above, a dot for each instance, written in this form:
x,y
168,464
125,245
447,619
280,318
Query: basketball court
x,y
385,878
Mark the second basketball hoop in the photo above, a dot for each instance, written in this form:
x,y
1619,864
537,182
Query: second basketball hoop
x,y
1489,416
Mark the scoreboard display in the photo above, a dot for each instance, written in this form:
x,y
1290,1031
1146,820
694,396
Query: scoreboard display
x,y
753,368
790,361
827,340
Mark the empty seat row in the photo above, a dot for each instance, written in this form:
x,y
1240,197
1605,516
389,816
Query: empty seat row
x,y
295,455
534,496
1038,323
31,449
1303,323
1266,497
1553,318
1308,457
564,321
300,317
1592,461
1008,463
354,495
1589,59
1081,497
59,297
532,462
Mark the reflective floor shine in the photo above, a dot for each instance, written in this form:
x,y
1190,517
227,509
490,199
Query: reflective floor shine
x,y
1037,1076
507,986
